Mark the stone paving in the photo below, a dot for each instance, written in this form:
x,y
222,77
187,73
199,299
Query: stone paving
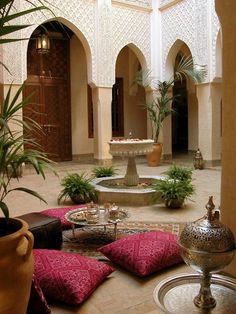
x,y
206,181
122,292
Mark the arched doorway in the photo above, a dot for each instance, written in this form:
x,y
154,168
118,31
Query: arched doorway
x,y
128,115
180,115
48,78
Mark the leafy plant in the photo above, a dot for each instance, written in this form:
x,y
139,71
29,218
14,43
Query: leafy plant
x,y
12,128
100,172
179,173
78,188
169,189
12,151
160,107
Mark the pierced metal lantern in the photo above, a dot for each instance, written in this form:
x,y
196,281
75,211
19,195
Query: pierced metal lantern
x,y
198,160
207,246
43,43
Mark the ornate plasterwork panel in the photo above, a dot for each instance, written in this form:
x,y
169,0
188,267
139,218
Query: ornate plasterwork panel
x,y
131,26
140,3
215,31
79,13
187,21
104,73
167,3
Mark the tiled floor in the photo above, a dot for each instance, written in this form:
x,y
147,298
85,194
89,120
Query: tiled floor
x,y
123,292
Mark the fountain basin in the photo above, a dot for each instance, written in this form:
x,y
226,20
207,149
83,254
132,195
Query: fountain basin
x,y
130,148
112,190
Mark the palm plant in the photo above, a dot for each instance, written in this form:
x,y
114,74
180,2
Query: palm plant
x,y
160,107
12,127
12,152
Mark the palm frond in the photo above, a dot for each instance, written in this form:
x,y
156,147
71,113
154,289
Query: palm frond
x,y
185,68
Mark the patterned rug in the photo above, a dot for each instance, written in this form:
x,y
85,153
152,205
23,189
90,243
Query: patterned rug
x,y
88,240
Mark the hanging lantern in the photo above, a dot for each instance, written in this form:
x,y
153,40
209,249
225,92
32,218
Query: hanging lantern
x,y
43,43
198,160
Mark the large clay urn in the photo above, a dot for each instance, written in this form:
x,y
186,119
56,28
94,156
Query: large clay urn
x,y
16,266
154,157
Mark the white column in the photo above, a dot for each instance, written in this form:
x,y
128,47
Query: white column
x,y
226,11
102,122
209,124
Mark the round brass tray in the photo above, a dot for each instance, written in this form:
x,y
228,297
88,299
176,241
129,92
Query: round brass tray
x,y
175,295
78,216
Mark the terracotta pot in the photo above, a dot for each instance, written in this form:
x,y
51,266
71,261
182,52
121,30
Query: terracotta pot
x,y
174,203
16,266
154,157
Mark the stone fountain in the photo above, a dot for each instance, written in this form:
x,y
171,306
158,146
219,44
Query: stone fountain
x,y
131,189
130,148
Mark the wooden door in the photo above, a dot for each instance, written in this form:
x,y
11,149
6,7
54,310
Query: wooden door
x,y
48,78
117,108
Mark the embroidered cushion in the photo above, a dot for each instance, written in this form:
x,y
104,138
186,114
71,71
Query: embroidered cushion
x,y
37,302
144,253
60,213
68,277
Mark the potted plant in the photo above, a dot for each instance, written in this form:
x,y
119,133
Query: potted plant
x,y
100,172
78,188
160,108
16,242
179,173
173,192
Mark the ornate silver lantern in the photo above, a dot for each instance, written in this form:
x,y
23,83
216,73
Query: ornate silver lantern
x,y
198,160
207,246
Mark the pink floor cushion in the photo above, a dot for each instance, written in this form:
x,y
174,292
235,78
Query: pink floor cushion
x,y
60,213
144,253
37,302
68,277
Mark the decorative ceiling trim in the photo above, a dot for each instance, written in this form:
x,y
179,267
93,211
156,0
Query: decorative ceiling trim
x,y
168,3
120,3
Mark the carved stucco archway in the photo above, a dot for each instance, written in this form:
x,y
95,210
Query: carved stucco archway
x,y
137,51
79,35
128,63
180,46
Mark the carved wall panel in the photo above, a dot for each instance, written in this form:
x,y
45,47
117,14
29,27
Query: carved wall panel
x,y
131,26
215,26
104,73
79,13
187,21
141,3
118,26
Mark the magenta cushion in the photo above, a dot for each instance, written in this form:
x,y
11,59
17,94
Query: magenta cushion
x,y
60,213
68,277
37,302
144,253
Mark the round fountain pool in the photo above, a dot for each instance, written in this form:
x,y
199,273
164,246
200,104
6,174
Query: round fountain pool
x,y
114,190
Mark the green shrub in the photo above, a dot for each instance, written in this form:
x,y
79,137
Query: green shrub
x,y
167,190
100,172
179,173
78,188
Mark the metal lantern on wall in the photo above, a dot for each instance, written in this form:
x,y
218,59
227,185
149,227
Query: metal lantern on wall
x,y
198,160
43,43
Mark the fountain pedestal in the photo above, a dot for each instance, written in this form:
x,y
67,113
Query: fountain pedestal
x,y
130,148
